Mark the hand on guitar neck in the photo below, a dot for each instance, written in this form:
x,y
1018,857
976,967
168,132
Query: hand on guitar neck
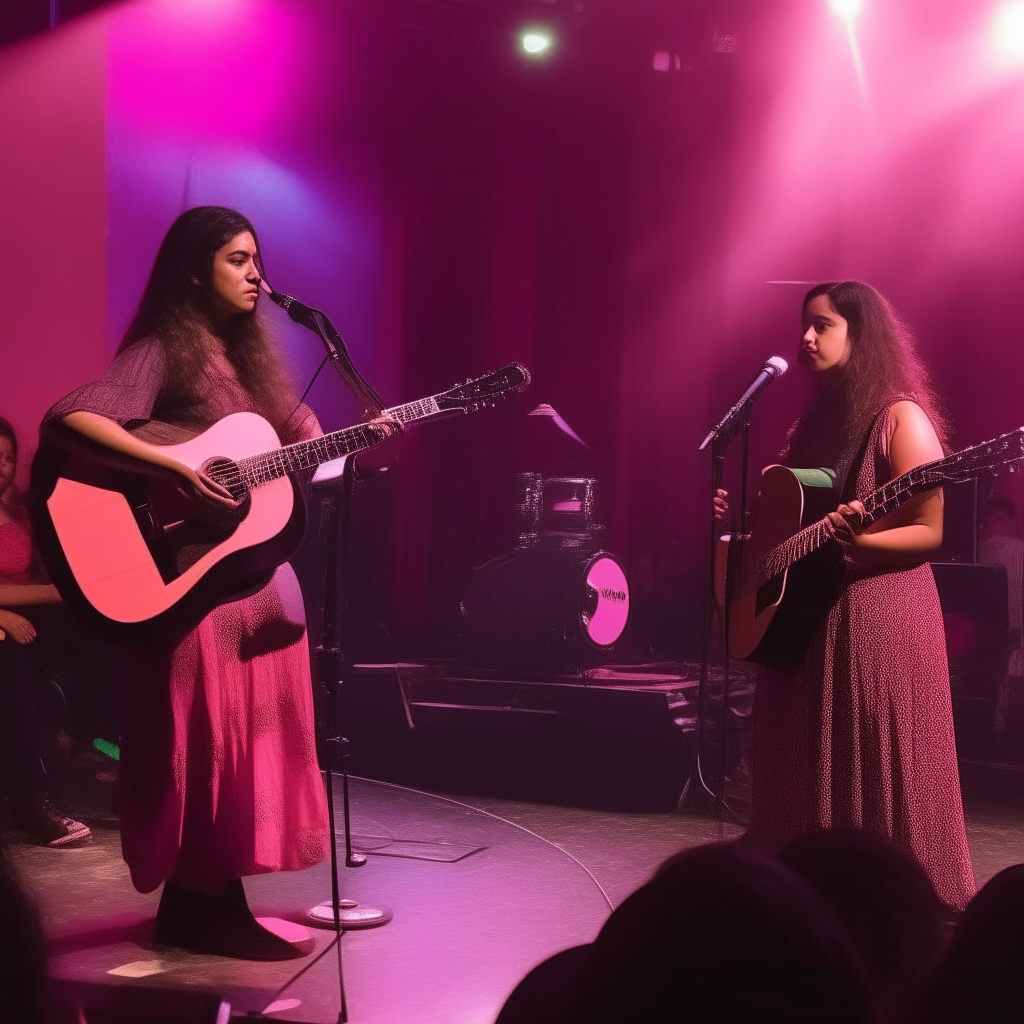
x,y
912,532
721,505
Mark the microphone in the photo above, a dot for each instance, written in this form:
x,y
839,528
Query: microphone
x,y
297,311
774,367
317,321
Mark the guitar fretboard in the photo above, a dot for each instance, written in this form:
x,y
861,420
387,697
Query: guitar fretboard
x,y
261,469
961,466
412,411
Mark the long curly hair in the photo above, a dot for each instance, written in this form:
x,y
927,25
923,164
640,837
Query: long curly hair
x,y
175,308
884,367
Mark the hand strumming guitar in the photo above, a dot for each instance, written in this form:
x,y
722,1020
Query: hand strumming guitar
x,y
206,494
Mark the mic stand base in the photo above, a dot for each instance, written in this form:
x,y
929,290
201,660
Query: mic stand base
x,y
351,916
337,913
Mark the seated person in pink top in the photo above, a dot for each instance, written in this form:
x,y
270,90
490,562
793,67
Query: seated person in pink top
x,y
22,599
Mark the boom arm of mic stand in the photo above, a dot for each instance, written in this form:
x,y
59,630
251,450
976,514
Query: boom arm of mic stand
x,y
317,321
722,432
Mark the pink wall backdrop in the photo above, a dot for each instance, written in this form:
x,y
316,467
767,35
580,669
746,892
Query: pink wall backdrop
x,y
53,221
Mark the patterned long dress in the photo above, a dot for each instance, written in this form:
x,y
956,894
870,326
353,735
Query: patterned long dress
x,y
219,775
860,733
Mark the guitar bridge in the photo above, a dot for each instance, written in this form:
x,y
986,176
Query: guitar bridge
x,y
155,535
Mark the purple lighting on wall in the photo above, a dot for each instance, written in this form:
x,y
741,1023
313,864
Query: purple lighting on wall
x,y
223,67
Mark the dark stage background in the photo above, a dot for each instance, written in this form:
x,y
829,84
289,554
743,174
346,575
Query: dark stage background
x,y
635,216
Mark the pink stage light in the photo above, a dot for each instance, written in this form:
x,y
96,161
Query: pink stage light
x,y
1008,31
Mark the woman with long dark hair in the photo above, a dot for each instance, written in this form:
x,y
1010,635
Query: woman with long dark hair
x,y
219,775
860,733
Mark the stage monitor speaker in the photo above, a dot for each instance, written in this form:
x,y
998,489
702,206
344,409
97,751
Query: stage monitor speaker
x,y
975,612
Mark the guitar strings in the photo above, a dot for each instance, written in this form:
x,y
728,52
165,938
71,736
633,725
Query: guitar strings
x,y
251,470
883,501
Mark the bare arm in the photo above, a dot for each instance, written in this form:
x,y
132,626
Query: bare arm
x,y
106,432
914,530
18,594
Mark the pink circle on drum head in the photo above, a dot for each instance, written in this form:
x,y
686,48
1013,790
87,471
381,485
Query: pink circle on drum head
x,y
609,619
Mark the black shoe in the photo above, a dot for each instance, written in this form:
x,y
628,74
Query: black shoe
x,y
220,925
41,820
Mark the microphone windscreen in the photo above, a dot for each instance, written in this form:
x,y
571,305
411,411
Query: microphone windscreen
x,y
778,364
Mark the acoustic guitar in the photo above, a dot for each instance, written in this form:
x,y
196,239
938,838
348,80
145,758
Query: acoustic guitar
x,y
788,570
127,549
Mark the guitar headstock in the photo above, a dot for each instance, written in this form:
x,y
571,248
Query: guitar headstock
x,y
484,391
966,465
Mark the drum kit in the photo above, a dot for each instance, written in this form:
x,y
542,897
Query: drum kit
x,y
556,601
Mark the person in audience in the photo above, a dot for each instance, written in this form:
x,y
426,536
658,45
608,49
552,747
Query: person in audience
x,y
881,894
23,969
23,604
979,978
719,934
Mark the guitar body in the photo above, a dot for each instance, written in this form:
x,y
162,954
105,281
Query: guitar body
x,y
773,623
131,554
126,551
785,577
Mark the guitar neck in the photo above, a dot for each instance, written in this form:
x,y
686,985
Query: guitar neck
x,y
887,498
413,411
267,466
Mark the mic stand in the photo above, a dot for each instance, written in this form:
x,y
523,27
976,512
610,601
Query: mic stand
x,y
697,796
332,665
331,660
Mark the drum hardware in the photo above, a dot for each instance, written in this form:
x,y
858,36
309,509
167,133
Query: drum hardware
x,y
556,511
548,606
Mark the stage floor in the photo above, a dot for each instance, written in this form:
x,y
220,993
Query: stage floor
x,y
481,889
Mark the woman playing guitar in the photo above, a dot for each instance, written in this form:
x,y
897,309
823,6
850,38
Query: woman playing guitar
x,y
219,775
859,733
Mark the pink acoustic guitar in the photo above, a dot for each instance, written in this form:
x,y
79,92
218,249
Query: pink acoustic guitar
x,y
127,550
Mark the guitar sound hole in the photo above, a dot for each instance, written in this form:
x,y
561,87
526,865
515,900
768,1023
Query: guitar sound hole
x,y
227,474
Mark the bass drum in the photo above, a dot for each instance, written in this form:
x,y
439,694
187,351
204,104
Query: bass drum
x,y
561,608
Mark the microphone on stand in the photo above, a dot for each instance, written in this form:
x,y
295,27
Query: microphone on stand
x,y
297,311
774,367
317,321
